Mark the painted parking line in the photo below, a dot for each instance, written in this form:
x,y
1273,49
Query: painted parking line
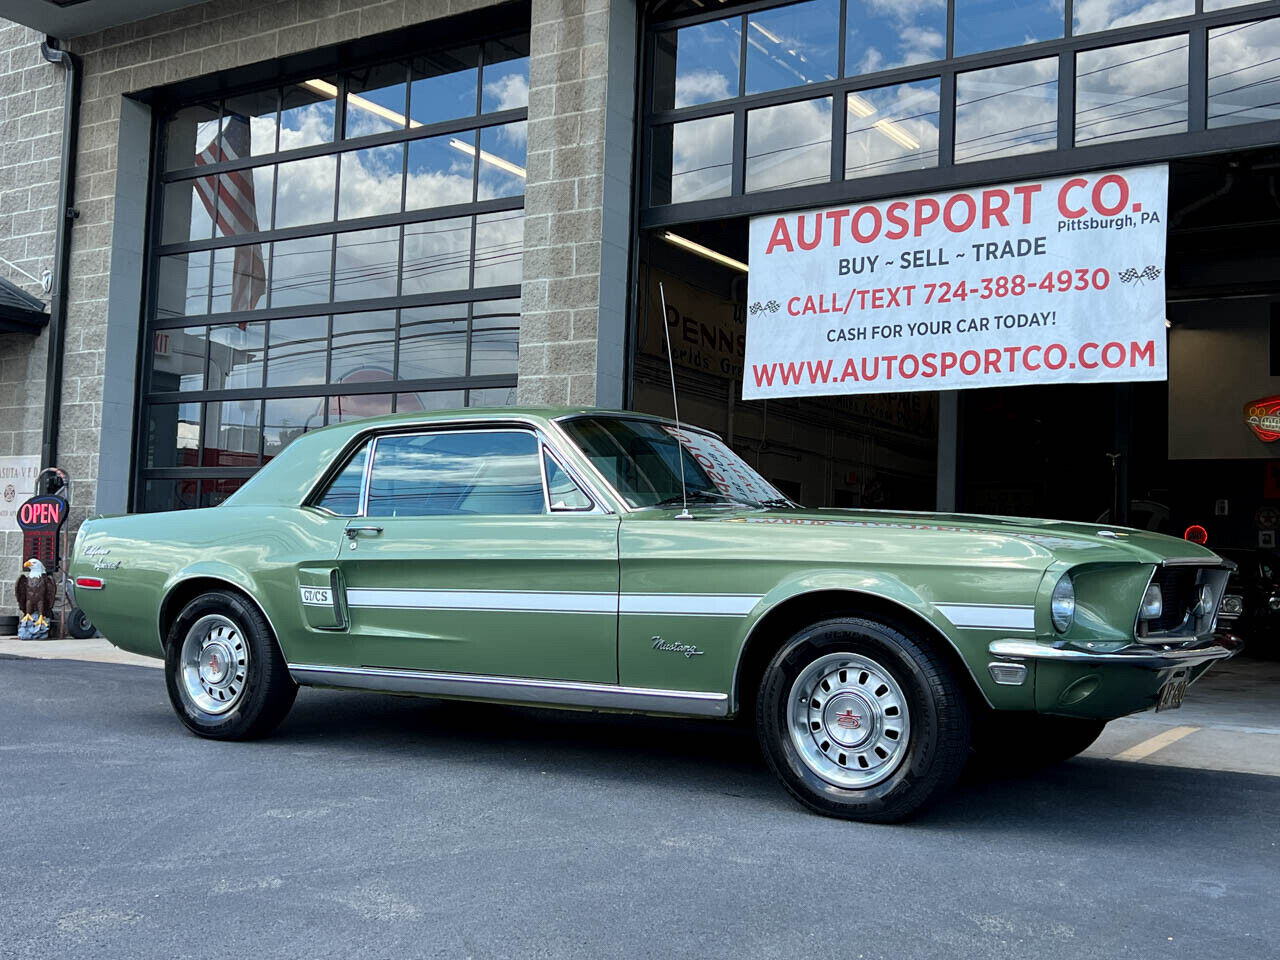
x,y
1140,751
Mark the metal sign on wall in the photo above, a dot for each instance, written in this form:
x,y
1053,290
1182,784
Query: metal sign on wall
x,y
1047,281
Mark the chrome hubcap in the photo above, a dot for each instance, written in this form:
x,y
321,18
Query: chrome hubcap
x,y
215,663
849,720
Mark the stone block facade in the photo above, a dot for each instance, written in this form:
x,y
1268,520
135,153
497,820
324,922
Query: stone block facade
x,y
31,97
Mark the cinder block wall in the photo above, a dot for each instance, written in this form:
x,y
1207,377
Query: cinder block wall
x,y
30,150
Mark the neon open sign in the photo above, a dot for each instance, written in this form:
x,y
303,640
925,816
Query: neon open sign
x,y
42,513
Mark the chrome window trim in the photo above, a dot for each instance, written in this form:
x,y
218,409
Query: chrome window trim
x,y
507,428
548,434
570,693
623,504
549,451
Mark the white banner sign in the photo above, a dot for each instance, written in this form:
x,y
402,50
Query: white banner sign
x,y
17,483
1052,281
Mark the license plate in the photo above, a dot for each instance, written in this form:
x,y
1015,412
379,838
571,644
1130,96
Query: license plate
x,y
1171,694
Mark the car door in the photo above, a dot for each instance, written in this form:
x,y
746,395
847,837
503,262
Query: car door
x,y
461,561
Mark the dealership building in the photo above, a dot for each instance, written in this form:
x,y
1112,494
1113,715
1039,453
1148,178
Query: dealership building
x,y
224,224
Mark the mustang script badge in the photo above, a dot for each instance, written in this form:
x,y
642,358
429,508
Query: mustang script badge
x,y
670,646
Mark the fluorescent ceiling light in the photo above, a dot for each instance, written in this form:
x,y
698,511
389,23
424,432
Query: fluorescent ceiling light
x,y
896,134
860,107
774,37
487,157
327,89
706,252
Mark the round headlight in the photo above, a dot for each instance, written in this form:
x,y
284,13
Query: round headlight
x,y
1152,603
1062,607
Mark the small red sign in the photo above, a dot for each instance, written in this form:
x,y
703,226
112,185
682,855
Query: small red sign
x,y
1263,418
1196,534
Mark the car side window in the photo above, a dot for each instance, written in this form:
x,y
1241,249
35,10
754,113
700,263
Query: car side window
x,y
485,472
565,494
343,495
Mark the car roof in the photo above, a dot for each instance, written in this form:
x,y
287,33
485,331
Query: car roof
x,y
289,477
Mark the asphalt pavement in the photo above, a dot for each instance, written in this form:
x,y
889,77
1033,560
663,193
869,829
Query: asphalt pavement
x,y
376,826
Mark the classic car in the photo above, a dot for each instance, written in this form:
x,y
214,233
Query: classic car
x,y
613,561
1251,606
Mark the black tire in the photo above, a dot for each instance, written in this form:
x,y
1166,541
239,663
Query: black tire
x,y
1027,741
79,626
937,742
268,690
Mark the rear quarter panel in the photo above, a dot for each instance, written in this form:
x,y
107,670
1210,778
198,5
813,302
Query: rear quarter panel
x,y
142,558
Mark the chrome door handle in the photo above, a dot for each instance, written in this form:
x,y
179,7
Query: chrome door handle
x,y
353,532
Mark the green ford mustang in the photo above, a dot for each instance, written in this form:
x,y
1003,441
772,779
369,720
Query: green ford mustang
x,y
548,557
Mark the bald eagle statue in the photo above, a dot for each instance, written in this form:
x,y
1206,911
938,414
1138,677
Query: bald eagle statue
x,y
36,592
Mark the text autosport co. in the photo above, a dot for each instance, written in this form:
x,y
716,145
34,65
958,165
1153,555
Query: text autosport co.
x,y
991,207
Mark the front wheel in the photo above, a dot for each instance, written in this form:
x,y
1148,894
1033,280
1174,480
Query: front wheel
x,y
226,677
860,720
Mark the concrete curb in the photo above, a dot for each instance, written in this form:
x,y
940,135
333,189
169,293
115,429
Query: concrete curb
x,y
96,650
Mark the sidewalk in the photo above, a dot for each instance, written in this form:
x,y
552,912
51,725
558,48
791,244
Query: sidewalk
x,y
96,650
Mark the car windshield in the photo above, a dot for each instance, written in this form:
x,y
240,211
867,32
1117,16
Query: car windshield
x,y
639,458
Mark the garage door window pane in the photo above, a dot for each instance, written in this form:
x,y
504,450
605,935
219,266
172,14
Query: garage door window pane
x,y
232,433
286,419
789,145
371,182
501,161
307,113
433,342
300,271
376,98
443,86
437,256
891,128
1090,16
443,474
499,246
995,24
881,36
296,352
173,435
304,191
188,132
1134,90
506,74
365,264
235,355
694,160
698,64
240,277
1007,110
441,171
1244,73
793,45
364,347
182,284
495,338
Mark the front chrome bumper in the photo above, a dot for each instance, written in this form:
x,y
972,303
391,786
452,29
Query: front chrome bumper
x,y
1134,655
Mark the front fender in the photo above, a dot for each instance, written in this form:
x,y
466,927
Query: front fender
x,y
880,591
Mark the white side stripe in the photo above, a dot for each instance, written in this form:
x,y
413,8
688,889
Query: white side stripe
x,y
515,601
691,605
499,600
977,616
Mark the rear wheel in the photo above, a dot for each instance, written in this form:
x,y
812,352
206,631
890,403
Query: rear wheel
x,y
861,720
226,677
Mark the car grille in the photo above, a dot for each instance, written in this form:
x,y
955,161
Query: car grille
x,y
1178,586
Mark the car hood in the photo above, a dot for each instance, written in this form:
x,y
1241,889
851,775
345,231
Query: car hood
x,y
1075,542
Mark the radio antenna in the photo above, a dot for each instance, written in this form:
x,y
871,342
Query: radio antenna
x,y
675,405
